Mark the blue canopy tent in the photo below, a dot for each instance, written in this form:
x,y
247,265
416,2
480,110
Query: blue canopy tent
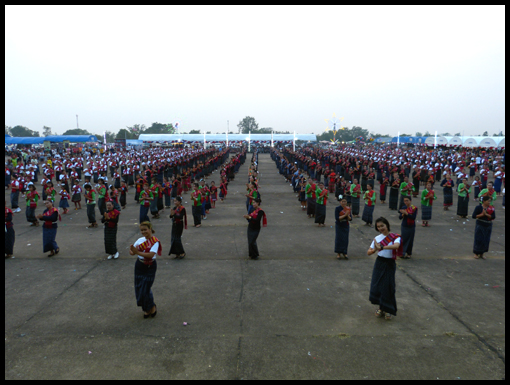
x,y
51,138
409,139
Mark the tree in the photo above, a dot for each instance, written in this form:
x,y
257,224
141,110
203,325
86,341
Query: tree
x,y
457,134
445,134
46,131
110,136
247,124
427,134
23,131
194,132
418,134
8,130
136,130
160,128
485,133
77,131
126,134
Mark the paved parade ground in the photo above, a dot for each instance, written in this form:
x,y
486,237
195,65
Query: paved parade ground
x,y
296,313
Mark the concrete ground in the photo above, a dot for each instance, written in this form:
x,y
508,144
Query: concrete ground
x,y
296,313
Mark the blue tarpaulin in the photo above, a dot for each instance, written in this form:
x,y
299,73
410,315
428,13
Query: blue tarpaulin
x,y
51,138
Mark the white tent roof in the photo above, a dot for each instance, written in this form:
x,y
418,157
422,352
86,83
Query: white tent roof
x,y
441,140
473,142
223,137
488,141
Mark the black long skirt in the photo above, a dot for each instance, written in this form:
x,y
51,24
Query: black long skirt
x,y
368,214
176,243
197,214
448,197
9,240
355,205
382,287
426,213
49,242
253,250
341,239
320,213
407,239
393,198
91,213
122,200
30,213
310,206
110,240
462,206
482,238
144,279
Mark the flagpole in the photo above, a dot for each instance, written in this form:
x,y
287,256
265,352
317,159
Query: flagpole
x,y
249,141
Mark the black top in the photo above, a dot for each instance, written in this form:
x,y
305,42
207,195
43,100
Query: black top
x,y
254,224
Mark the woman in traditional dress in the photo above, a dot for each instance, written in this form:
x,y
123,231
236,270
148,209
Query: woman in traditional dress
x,y
123,194
356,192
484,215
64,199
447,185
320,204
76,197
416,180
394,189
167,191
463,205
499,176
489,191
50,192
427,197
368,211
179,223
32,198
383,190
154,189
145,248
214,194
408,227
102,195
110,220
114,198
254,219
50,216
302,194
342,218
387,245
196,209
9,232
145,199
476,186
310,198
90,200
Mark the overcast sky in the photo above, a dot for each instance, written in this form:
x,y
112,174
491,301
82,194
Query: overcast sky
x,y
384,68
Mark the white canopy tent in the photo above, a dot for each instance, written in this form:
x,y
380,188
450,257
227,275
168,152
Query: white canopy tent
x,y
441,141
490,141
472,142
254,138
